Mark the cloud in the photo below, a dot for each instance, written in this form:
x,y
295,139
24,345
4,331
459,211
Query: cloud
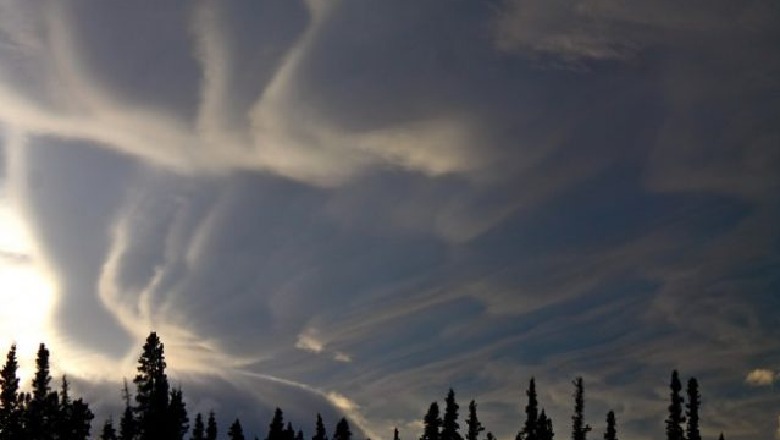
x,y
760,377
309,343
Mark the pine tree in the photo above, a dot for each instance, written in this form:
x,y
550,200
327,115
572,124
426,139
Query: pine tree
x,y
611,433
211,427
299,435
674,430
319,430
198,428
449,423
694,401
236,432
177,421
395,434
531,415
152,391
109,433
289,432
10,412
544,428
276,427
127,422
41,410
342,431
432,423
579,431
473,426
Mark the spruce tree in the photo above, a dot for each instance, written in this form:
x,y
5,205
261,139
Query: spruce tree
x,y
299,435
177,421
236,432
611,433
473,426
289,432
692,413
395,434
127,422
490,436
544,428
432,423
10,411
152,391
531,414
276,427
211,427
41,410
579,430
198,428
674,430
109,433
319,430
342,431
449,423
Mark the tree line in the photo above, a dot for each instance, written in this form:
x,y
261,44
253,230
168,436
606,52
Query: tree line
x,y
158,411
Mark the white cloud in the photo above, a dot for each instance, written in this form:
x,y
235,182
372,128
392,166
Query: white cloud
x,y
760,377
308,342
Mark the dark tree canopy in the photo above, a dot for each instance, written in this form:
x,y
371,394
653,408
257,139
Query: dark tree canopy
x,y
152,391
674,429
236,432
544,427
276,427
579,430
611,433
473,426
528,432
211,427
692,407
432,423
342,431
319,429
449,423
198,428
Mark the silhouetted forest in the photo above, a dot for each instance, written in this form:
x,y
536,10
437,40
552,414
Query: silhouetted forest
x,y
157,411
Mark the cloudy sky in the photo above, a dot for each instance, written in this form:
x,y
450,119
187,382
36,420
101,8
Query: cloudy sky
x,y
350,206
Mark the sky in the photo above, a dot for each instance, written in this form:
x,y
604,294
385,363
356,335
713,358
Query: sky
x,y
350,206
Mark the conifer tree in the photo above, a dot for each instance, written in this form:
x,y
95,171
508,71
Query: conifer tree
x,y
177,421
319,430
395,434
198,428
289,432
721,437
611,433
432,423
544,428
531,414
109,433
127,422
211,427
473,426
674,430
299,435
490,436
10,411
692,413
449,423
41,410
342,431
276,427
152,391
579,430
236,432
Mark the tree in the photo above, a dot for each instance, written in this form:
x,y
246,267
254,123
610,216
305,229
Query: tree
x,y
473,426
490,436
342,431
289,432
211,427
276,427
198,428
10,413
531,414
109,433
319,430
152,390
611,433
544,428
177,421
236,432
721,437
127,422
674,430
579,431
395,434
692,413
42,408
77,421
432,423
449,423
299,435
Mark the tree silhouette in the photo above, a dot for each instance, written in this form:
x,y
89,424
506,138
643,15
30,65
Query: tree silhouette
x,y
176,420
342,431
211,427
42,408
289,432
236,432
276,427
299,435
127,422
544,427
449,423
10,411
109,433
694,401
490,436
721,437
579,431
432,423
674,430
473,426
319,430
152,391
611,433
528,432
395,434
198,428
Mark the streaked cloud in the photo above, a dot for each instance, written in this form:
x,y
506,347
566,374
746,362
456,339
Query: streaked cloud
x,y
760,377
